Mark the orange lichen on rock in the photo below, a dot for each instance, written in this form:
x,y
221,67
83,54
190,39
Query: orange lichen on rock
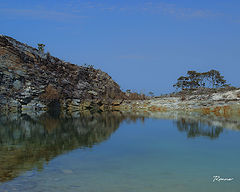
x,y
153,108
226,111
216,111
206,111
162,109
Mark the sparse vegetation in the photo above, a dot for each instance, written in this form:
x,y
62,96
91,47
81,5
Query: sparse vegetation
x,y
129,95
128,91
41,48
88,66
136,96
151,94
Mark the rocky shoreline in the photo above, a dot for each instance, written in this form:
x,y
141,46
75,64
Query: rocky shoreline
x,y
205,102
223,106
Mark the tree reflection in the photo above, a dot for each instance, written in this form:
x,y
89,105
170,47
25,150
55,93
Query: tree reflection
x,y
196,128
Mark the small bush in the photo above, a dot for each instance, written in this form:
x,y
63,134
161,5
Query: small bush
x,y
41,47
51,94
183,98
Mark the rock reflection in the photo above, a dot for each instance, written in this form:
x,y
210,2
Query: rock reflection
x,y
27,142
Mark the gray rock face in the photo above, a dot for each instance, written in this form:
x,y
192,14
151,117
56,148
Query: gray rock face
x,y
17,84
28,76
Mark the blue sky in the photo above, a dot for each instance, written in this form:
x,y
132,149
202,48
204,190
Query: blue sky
x,y
144,45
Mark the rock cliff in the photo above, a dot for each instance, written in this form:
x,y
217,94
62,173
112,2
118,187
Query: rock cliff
x,y
32,79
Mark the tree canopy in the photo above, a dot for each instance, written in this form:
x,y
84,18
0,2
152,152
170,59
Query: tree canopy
x,y
211,79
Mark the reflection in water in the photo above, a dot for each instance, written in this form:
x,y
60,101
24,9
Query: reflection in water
x,y
28,142
198,128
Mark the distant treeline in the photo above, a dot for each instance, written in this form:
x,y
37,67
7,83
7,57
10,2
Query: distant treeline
x,y
211,79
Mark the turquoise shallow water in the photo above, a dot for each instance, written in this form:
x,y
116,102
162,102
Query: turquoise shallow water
x,y
106,153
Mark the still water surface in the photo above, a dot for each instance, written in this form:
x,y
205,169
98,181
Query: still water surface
x,y
112,152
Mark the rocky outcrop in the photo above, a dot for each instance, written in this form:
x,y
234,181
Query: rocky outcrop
x,y
31,80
